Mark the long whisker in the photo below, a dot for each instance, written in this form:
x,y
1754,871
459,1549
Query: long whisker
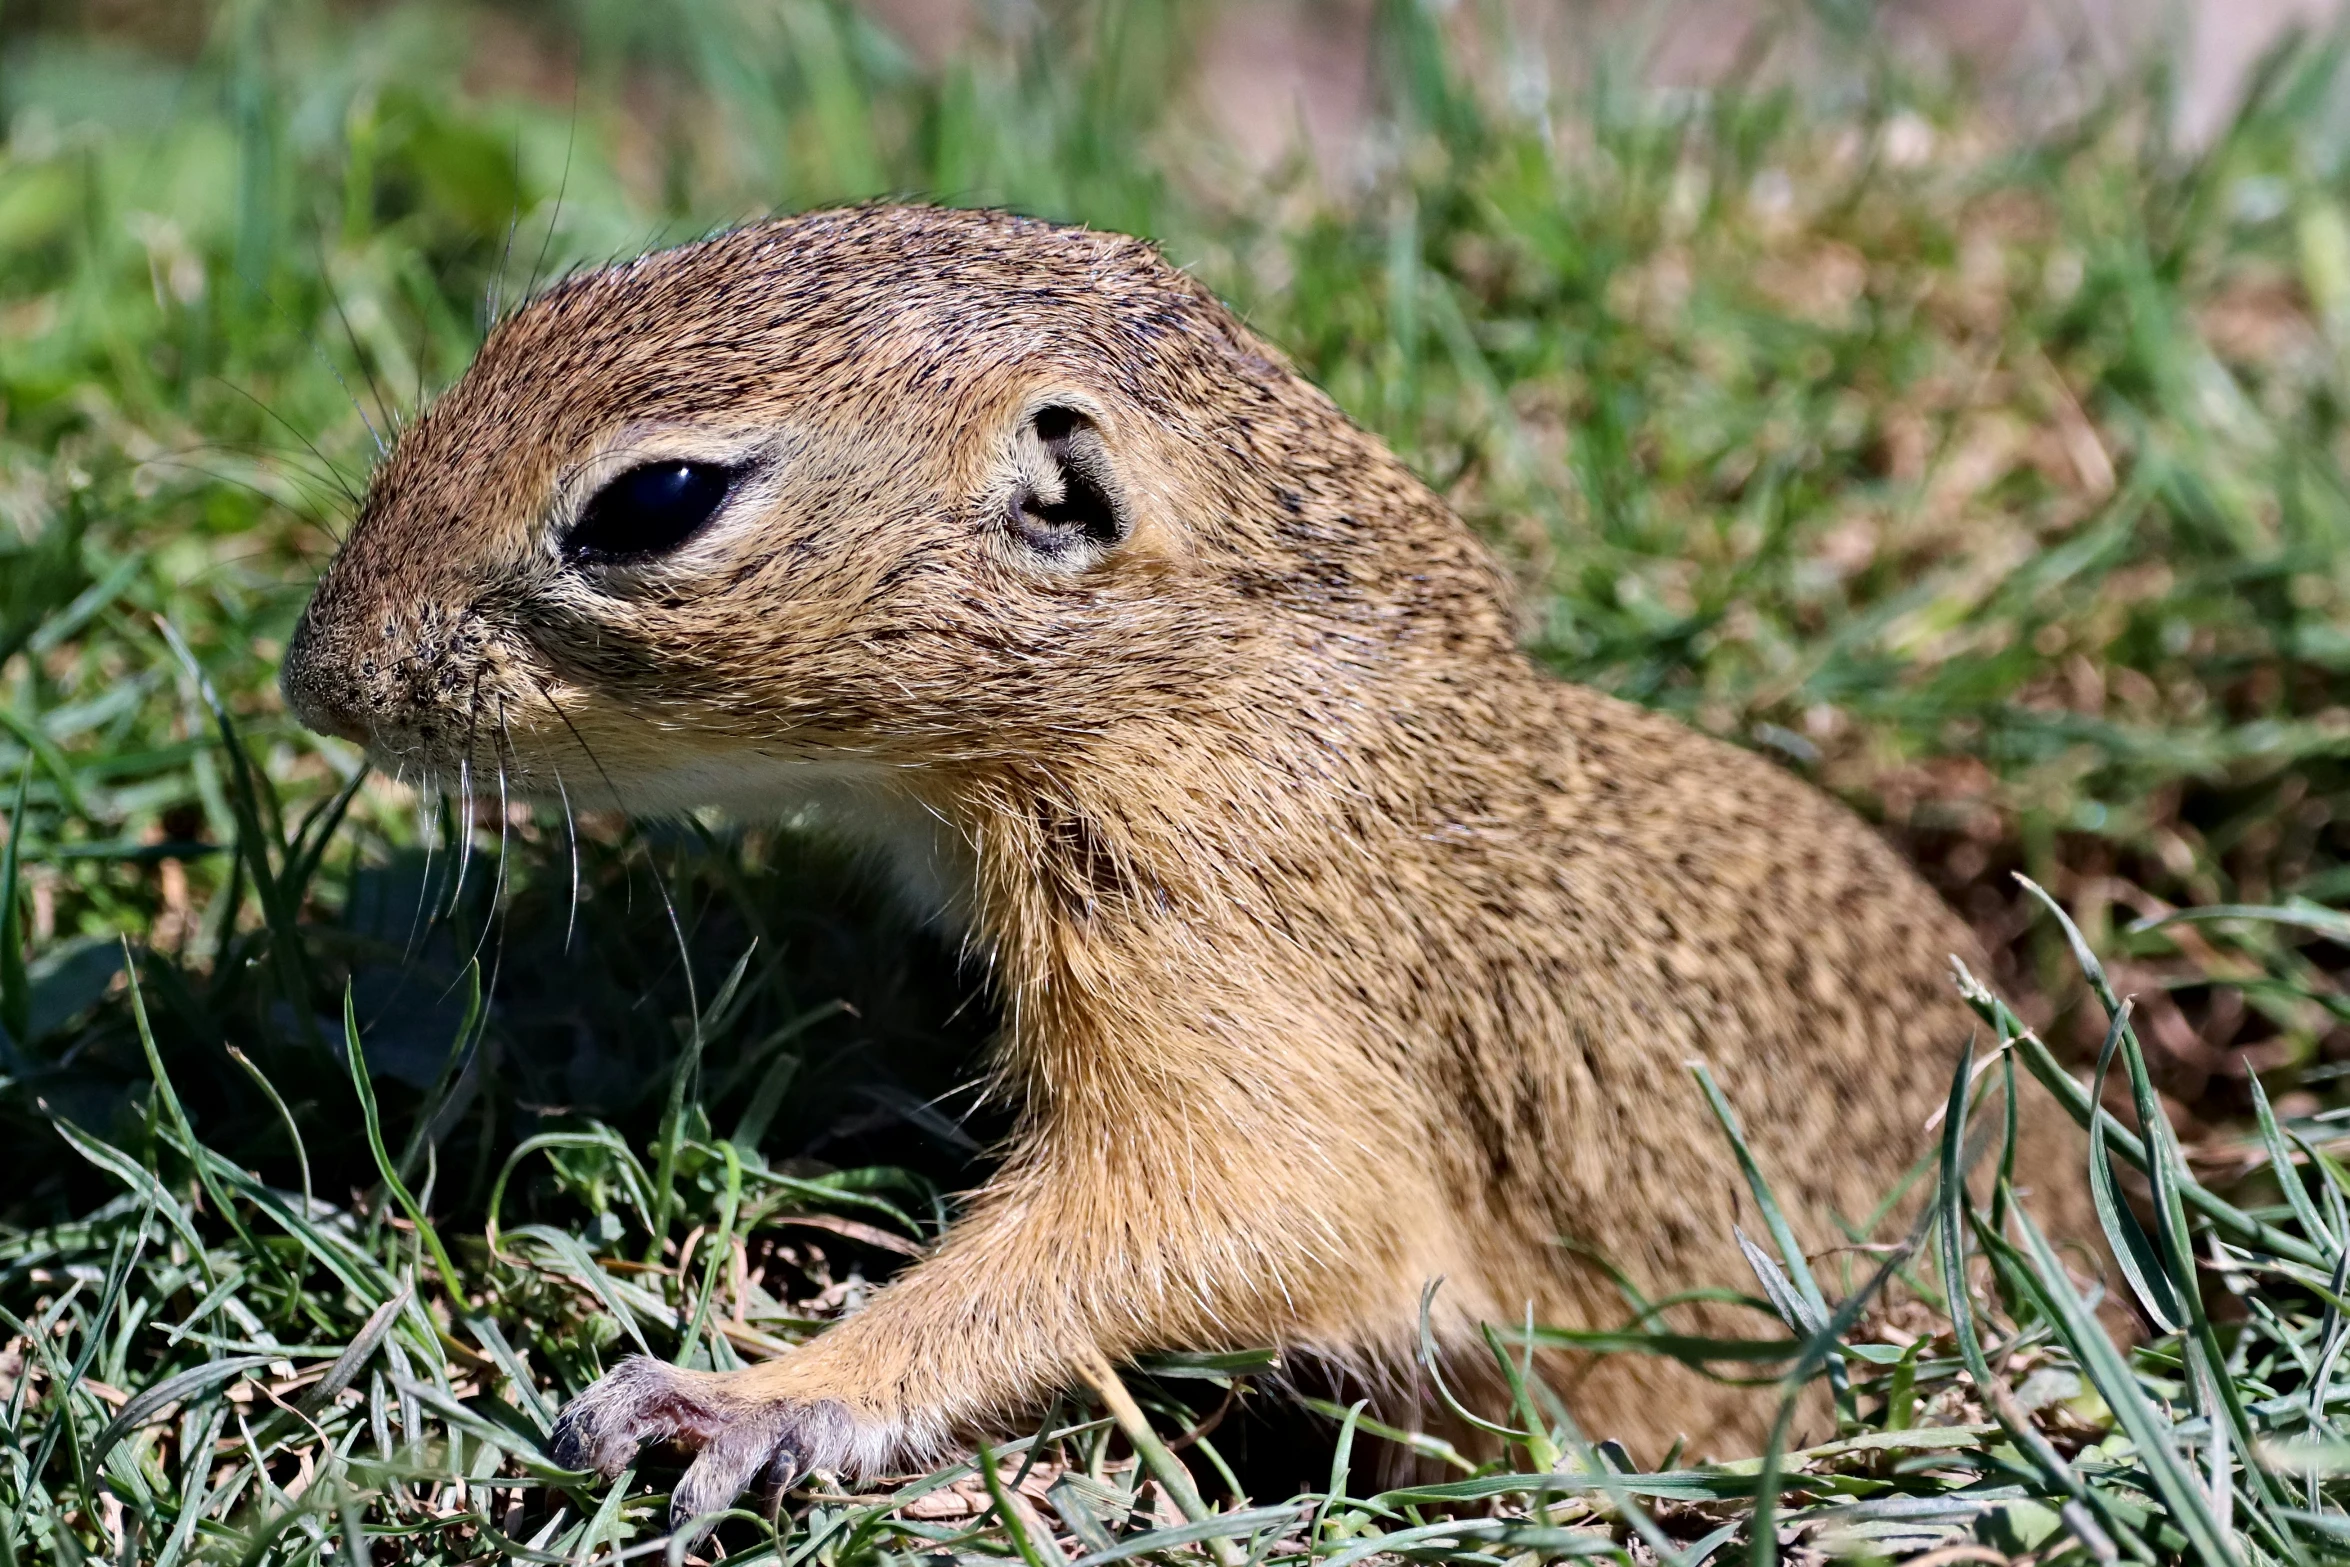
x,y
496,919
332,368
427,823
570,818
465,790
334,297
547,695
571,843
497,915
505,816
421,351
463,827
274,457
497,299
562,188
341,482
685,957
676,927
304,482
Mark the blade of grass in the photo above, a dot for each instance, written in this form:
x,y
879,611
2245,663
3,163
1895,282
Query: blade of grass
x,y
127,1250
1015,1526
466,1039
1163,1465
634,1183
2141,1265
689,1062
1689,1349
1952,1225
316,831
285,1116
1778,1289
151,1192
1416,1442
40,748
716,1248
1432,1362
1564,1544
16,991
2238,1225
358,1272
1782,1233
581,1264
2287,1172
2010,1125
1818,1352
1341,1458
2149,1431
2166,1169
1216,1531
256,842
2332,1332
170,1099
362,1348
152,1400
1541,1451
355,1058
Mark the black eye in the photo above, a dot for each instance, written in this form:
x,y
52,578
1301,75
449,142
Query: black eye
x,y
648,511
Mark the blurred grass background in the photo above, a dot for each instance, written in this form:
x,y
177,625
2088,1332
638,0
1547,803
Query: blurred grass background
x,y
1982,461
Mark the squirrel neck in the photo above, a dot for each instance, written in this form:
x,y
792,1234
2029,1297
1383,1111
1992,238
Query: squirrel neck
x,y
1164,866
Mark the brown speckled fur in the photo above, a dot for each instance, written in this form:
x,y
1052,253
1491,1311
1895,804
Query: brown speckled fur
x,y
1338,949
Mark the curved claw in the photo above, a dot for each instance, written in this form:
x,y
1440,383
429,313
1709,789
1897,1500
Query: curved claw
x,y
639,1401
727,1466
777,1442
738,1437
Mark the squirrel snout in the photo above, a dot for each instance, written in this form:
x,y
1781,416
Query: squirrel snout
x,y
321,694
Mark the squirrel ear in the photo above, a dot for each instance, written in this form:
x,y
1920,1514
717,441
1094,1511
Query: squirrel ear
x,y
1075,501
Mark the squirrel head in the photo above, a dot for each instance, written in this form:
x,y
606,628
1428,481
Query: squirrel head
x,y
883,489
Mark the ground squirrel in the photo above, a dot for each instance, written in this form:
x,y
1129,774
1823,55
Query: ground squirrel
x,y
1338,949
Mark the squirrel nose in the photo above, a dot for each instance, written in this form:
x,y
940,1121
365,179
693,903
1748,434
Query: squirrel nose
x,y
321,695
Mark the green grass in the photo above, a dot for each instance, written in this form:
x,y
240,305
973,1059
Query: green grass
x,y
1998,483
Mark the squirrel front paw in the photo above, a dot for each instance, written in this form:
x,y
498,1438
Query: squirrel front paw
x,y
740,1433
